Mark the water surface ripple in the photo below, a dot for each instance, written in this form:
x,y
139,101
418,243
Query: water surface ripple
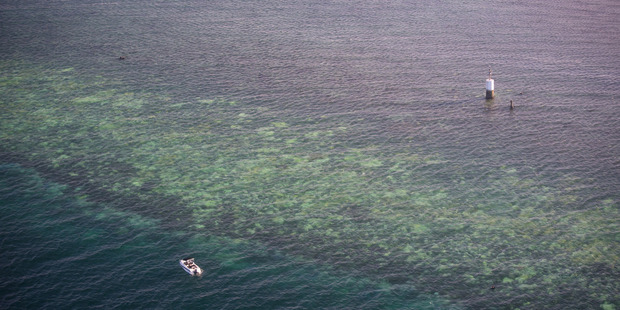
x,y
312,155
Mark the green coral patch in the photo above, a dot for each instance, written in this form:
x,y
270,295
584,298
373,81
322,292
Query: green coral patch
x,y
318,187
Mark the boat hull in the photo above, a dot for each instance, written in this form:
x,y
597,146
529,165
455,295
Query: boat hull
x,y
194,270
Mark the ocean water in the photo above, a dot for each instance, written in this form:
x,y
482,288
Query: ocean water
x,y
309,154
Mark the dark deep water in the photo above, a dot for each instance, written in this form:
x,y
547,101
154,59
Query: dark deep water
x,y
309,154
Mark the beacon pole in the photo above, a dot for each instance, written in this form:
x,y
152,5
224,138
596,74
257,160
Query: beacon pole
x,y
490,87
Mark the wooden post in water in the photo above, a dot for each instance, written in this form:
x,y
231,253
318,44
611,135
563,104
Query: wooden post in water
x,y
490,87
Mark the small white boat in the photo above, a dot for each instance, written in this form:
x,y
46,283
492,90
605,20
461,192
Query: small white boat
x,y
189,266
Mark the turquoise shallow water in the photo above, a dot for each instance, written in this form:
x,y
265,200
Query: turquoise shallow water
x,y
62,252
310,155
